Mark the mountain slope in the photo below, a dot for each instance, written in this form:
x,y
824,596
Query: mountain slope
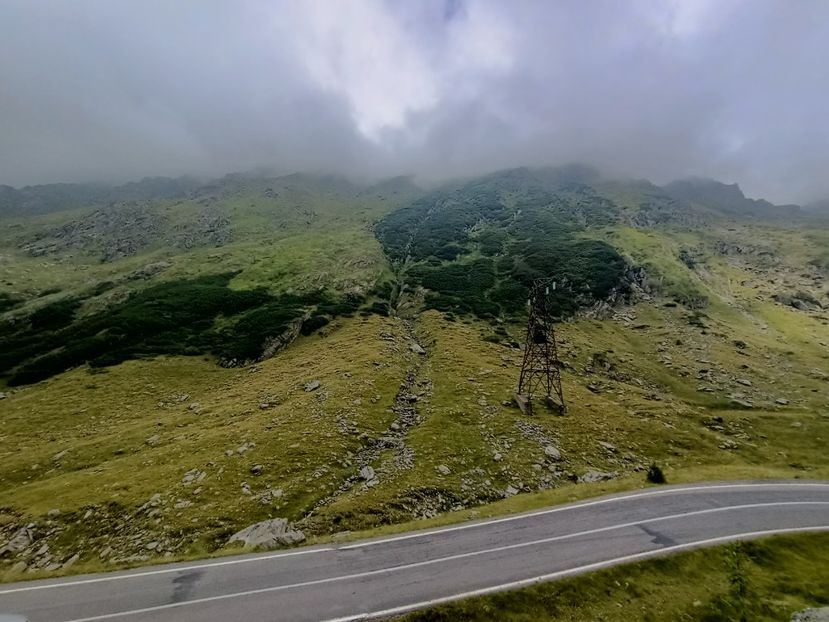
x,y
726,198
713,367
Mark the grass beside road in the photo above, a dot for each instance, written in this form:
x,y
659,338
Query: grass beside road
x,y
763,580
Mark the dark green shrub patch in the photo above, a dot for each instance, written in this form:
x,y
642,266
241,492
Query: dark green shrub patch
x,y
8,302
54,315
477,248
176,317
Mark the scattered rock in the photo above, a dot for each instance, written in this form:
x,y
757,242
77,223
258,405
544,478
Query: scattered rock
x,y
728,444
59,455
312,386
367,473
53,513
244,447
257,469
782,401
607,446
182,503
743,381
417,348
2,395
741,403
510,491
443,469
270,496
19,567
552,452
193,475
497,457
153,440
268,534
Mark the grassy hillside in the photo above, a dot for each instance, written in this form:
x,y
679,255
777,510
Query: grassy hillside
x,y
224,272
715,365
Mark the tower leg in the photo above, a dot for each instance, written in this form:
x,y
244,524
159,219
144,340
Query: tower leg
x,y
524,403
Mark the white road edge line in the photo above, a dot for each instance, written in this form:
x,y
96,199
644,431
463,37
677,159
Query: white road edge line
x,y
564,573
575,506
147,573
428,562
419,534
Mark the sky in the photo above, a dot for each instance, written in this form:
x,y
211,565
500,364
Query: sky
x,y
114,90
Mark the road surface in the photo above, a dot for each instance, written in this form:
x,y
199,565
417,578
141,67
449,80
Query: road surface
x,y
387,576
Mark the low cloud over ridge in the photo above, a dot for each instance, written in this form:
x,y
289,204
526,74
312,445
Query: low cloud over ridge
x,y
109,91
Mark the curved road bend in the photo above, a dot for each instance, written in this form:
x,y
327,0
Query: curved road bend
x,y
385,576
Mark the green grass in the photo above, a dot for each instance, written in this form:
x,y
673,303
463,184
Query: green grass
x,y
780,575
659,255
304,439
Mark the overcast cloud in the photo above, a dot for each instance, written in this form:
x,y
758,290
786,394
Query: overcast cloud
x,y
110,90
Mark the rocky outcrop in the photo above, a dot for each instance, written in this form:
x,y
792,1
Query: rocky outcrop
x,y
125,228
800,300
282,341
21,539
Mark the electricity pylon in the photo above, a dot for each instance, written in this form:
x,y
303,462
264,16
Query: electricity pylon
x,y
541,369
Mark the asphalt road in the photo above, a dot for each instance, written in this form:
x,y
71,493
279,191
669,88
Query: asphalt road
x,y
386,576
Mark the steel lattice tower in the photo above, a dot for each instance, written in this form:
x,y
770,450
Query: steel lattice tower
x,y
541,369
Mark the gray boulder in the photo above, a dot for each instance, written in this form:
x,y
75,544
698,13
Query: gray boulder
x,y
596,476
367,473
268,534
811,615
552,452
312,386
417,348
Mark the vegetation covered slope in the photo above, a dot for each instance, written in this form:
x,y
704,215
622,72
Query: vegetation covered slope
x,y
716,368
229,270
478,247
